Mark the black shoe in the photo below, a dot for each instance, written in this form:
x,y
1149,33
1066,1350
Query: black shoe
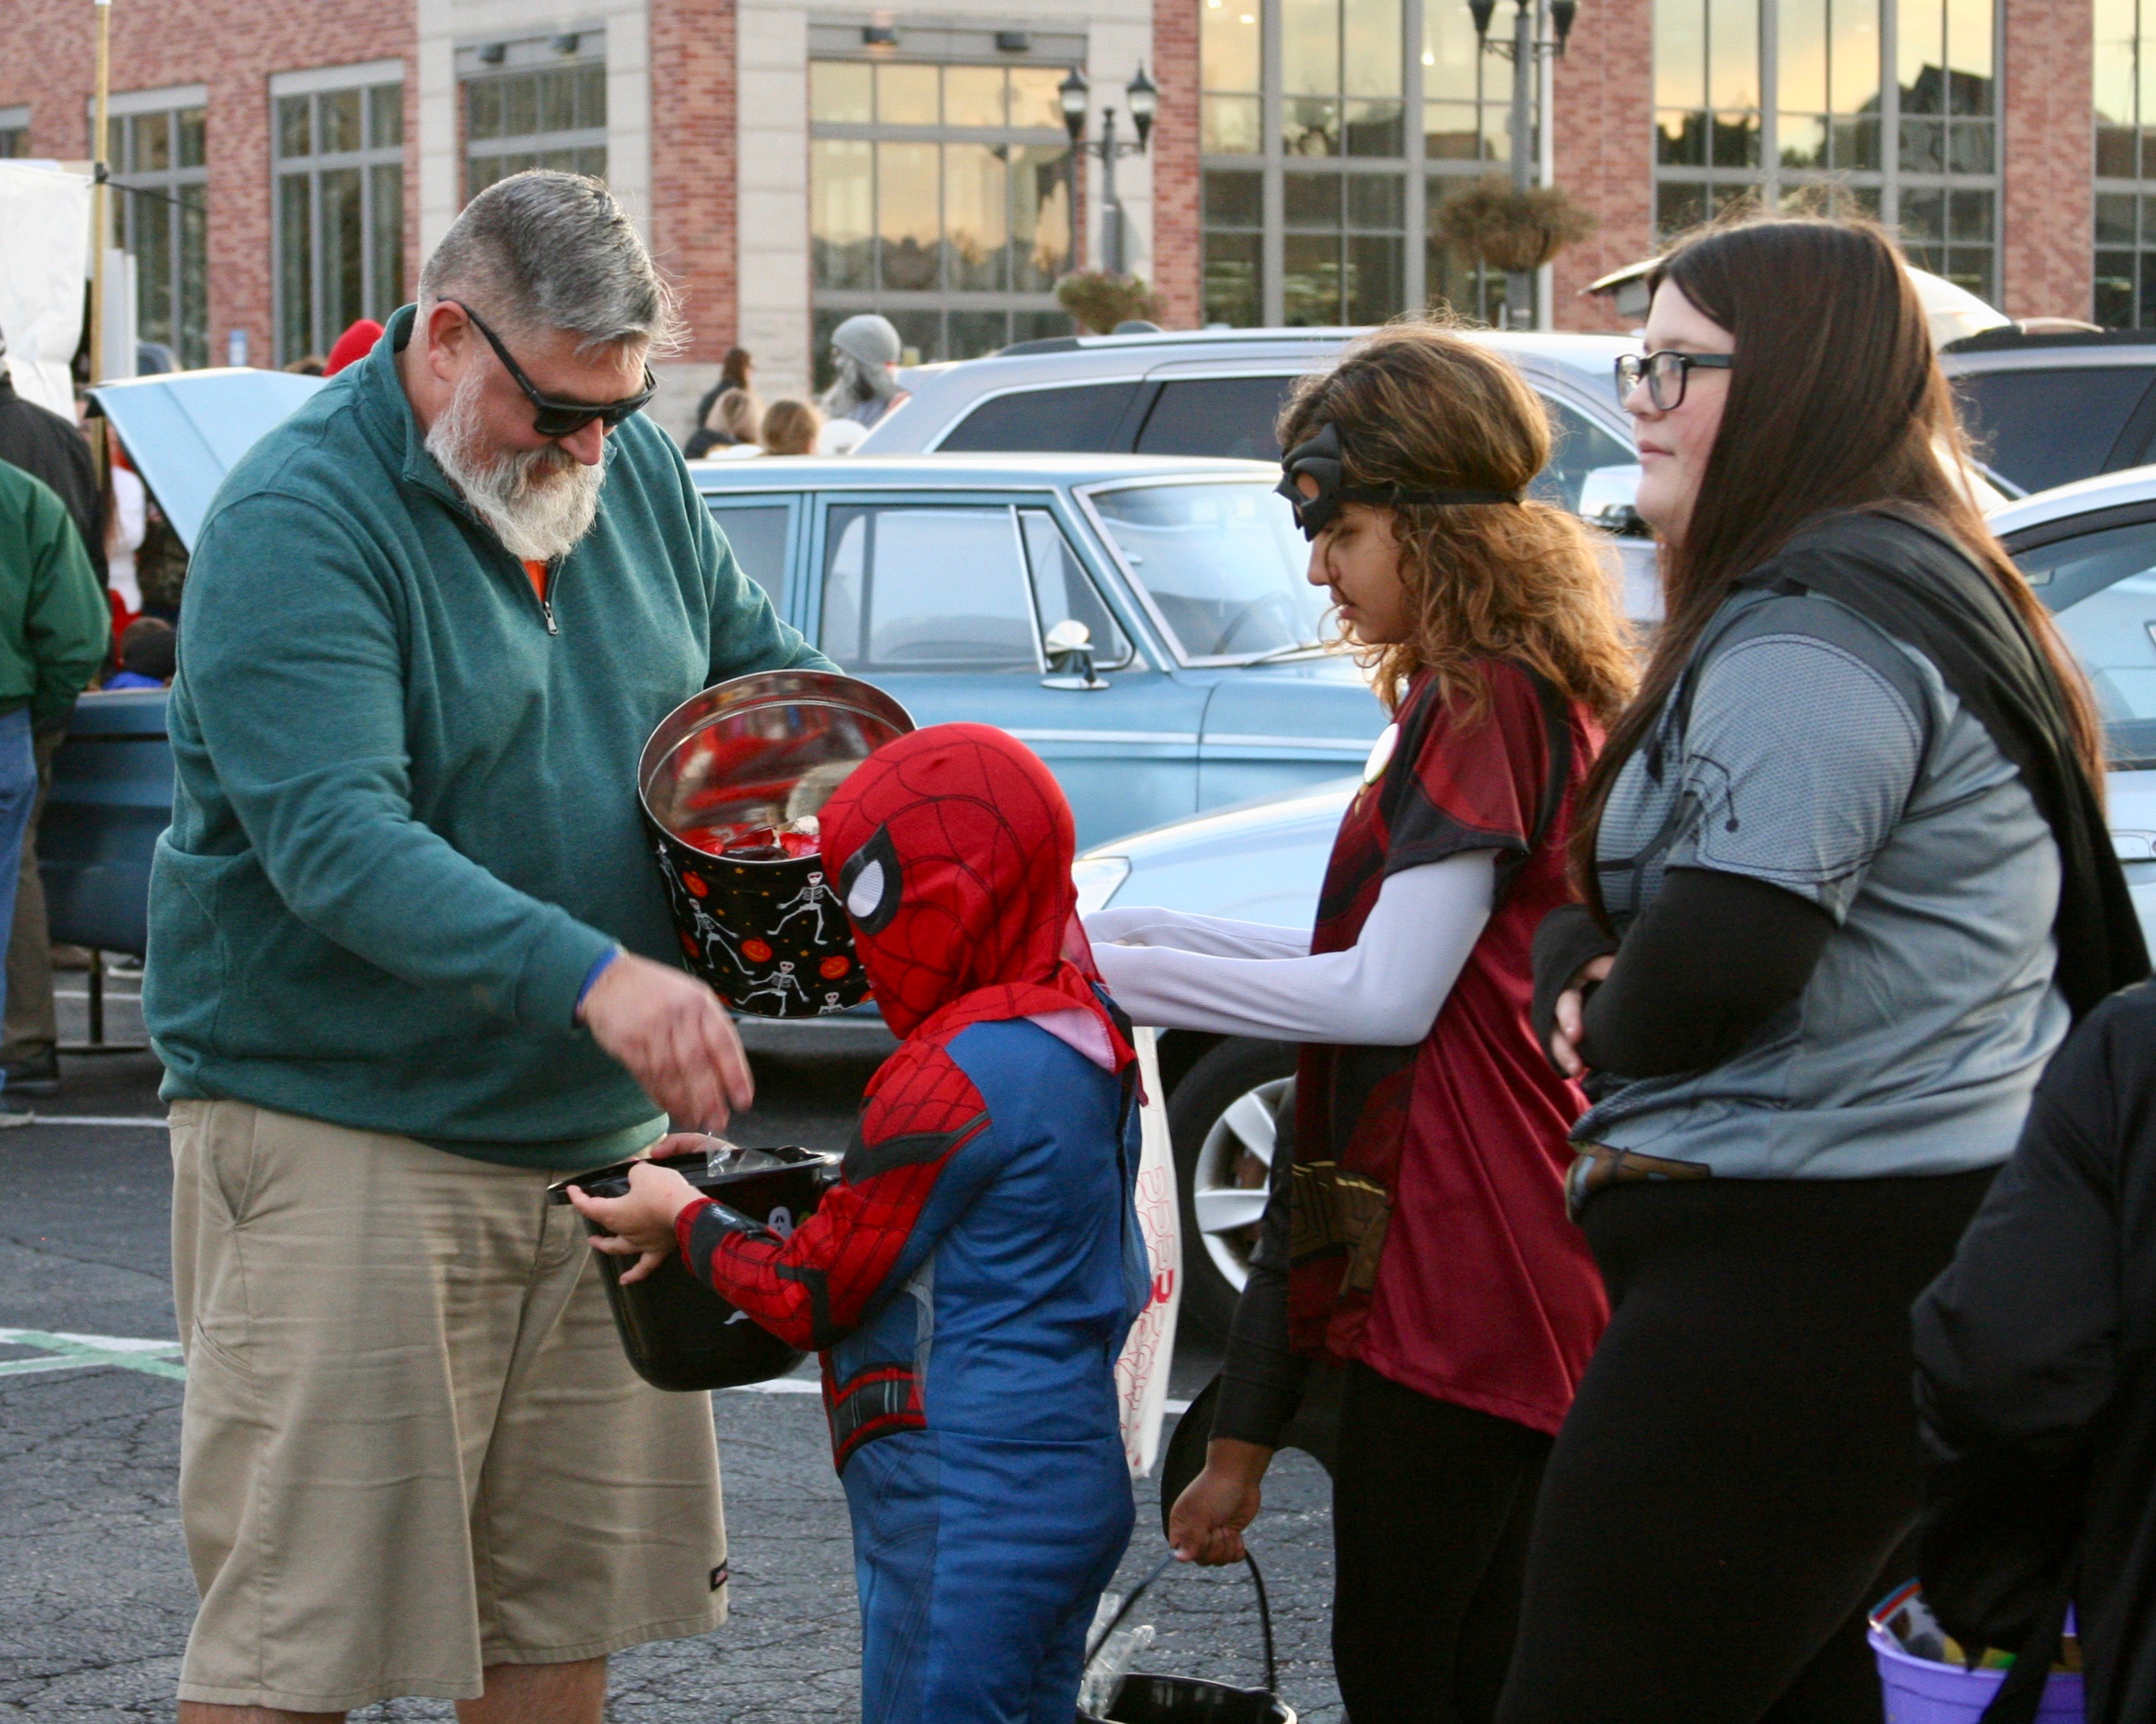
x,y
37,1075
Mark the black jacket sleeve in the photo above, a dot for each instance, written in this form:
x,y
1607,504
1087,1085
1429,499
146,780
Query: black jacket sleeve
x,y
2017,1357
1710,961
1261,1380
1568,940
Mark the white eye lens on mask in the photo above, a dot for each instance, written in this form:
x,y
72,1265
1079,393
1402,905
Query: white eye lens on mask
x,y
865,897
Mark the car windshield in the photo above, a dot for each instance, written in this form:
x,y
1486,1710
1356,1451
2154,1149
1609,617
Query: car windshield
x,y
1223,564
2101,587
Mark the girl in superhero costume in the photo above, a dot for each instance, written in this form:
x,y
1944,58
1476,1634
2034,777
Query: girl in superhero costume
x,y
970,1279
1419,1239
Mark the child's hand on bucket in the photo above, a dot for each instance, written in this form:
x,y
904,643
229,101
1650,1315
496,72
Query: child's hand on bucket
x,y
642,1224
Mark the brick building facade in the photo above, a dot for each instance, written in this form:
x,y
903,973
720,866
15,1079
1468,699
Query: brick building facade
x,y
289,162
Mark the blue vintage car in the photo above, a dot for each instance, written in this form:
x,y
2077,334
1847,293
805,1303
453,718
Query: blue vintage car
x,y
1143,623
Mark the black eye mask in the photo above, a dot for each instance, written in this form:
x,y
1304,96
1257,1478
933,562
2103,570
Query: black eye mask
x,y
1320,458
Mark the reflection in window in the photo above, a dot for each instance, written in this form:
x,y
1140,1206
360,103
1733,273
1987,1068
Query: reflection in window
x,y
2103,588
756,533
957,226
2125,164
1229,60
927,589
339,171
1341,254
1062,590
1828,95
1223,565
1818,137
545,116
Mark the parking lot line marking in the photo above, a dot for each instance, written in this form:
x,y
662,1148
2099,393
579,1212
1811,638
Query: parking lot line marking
x,y
84,1352
100,1119
158,1359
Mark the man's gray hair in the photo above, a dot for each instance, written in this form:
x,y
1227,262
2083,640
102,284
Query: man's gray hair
x,y
544,250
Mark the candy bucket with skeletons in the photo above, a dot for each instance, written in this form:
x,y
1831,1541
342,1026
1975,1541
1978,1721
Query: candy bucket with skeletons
x,y
732,781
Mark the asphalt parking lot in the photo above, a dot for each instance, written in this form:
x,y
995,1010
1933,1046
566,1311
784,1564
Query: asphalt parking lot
x,y
95,1611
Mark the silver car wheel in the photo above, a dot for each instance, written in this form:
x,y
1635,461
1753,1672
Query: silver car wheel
x,y
1228,1185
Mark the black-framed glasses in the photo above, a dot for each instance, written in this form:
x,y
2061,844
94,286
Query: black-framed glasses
x,y
1665,374
552,417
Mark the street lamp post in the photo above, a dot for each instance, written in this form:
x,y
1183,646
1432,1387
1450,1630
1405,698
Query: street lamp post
x,y
1525,51
1144,99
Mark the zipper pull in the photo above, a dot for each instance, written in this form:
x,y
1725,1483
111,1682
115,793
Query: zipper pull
x,y
547,607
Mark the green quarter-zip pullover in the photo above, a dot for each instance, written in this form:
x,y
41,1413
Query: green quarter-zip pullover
x,y
405,824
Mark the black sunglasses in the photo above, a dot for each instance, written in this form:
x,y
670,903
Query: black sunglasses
x,y
1665,374
553,417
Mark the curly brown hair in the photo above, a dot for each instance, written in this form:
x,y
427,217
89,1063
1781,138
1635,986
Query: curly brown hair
x,y
1419,405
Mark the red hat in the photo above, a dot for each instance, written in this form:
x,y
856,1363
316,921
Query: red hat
x,y
354,345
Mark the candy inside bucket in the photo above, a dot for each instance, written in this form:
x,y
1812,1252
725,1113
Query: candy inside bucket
x,y
752,842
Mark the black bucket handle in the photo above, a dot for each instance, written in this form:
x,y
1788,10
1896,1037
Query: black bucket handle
x,y
1161,1568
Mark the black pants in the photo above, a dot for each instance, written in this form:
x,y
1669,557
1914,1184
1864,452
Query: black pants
x,y
1431,1505
1727,1496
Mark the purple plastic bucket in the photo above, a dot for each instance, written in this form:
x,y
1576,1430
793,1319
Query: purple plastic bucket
x,y
1920,1691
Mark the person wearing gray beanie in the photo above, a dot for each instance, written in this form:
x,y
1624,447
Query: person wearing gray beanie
x,y
866,349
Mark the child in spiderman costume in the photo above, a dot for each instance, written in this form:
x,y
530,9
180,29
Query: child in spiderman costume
x,y
970,1279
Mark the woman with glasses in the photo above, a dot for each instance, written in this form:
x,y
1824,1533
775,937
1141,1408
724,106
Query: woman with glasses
x,y
1419,1239
1847,882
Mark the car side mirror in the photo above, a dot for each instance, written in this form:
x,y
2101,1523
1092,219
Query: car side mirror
x,y
1070,645
1607,497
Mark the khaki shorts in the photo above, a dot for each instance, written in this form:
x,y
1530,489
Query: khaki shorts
x,y
411,1446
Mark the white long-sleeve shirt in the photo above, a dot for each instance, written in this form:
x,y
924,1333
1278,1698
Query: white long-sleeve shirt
x,y
1177,970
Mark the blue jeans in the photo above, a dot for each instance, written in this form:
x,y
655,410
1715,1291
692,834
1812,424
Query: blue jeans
x,y
18,796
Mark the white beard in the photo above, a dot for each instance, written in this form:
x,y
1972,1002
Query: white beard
x,y
538,502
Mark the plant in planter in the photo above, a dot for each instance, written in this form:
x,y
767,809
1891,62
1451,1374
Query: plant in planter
x,y
1098,302
1513,230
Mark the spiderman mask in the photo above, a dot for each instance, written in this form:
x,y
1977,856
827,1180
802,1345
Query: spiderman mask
x,y
952,848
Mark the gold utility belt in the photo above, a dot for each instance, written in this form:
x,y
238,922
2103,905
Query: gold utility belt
x,y
1331,1210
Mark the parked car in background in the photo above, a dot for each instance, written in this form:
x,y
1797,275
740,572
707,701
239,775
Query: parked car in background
x,y
2047,408
1143,623
1218,392
2088,549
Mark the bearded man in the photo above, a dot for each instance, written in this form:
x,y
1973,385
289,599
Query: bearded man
x,y
409,963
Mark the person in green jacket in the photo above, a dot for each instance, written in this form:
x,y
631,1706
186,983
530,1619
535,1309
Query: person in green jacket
x,y
55,630
409,959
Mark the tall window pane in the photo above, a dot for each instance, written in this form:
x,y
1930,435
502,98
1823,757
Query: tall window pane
x,y
976,215
159,162
842,210
340,198
532,110
939,197
908,211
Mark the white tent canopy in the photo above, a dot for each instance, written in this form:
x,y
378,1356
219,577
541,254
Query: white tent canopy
x,y
44,259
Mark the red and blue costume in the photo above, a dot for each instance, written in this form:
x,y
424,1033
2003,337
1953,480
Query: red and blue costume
x,y
970,1280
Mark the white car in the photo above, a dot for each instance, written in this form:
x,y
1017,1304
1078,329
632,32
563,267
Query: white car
x,y
2088,549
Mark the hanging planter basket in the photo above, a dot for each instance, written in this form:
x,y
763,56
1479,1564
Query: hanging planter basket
x,y
1512,230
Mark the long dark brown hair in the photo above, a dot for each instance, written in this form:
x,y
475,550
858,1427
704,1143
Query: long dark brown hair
x,y
1420,406
1835,403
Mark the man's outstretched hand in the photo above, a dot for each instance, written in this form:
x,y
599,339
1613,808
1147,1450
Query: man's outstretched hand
x,y
675,1037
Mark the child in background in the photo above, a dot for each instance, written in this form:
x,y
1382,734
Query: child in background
x,y
149,649
790,427
972,1277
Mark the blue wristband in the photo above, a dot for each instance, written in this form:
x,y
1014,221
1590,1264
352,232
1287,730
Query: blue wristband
x,y
591,978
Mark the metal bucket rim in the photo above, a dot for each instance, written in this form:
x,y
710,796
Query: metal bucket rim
x,y
758,689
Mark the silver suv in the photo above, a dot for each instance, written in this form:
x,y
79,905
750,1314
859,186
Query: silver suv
x,y
1218,391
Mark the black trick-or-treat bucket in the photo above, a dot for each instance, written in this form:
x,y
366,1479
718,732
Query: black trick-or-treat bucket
x,y
731,782
1143,1697
678,1333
